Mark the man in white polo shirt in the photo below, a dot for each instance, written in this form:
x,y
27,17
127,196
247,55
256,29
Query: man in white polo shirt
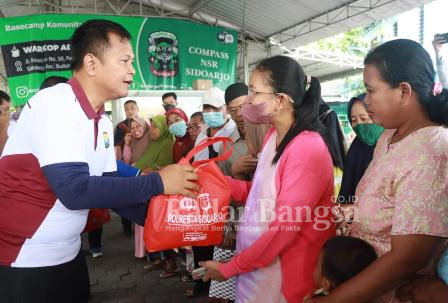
x,y
59,162
5,103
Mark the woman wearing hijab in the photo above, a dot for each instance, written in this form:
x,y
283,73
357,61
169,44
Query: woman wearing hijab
x,y
136,141
361,150
135,144
177,120
160,150
159,154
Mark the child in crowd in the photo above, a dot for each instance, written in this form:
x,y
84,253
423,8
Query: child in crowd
x,y
341,258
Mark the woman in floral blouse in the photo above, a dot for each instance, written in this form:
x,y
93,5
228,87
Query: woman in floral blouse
x,y
402,207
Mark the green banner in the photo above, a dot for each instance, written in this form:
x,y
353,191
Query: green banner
x,y
170,53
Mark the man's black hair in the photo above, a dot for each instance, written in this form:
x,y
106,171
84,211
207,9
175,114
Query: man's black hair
x,y
93,37
197,114
170,94
129,102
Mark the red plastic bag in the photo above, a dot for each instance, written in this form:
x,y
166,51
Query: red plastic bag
x,y
176,221
96,218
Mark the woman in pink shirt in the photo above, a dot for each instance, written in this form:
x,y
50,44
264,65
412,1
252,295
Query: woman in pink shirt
x,y
287,215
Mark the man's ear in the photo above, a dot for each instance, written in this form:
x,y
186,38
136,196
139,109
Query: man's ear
x,y
90,64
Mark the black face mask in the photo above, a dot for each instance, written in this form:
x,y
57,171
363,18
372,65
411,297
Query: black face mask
x,y
167,107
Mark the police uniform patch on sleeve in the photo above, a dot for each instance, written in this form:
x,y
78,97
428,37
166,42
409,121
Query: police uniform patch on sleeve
x,y
106,139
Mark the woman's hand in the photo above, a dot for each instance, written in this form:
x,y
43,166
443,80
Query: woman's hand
x,y
146,171
213,272
128,139
346,214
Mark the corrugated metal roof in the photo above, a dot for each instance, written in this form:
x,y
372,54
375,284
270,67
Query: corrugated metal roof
x,y
295,23
266,18
330,22
340,20
263,18
291,22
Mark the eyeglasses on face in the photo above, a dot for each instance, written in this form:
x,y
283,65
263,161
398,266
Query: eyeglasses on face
x,y
195,126
251,93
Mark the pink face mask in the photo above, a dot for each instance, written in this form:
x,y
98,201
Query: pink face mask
x,y
255,113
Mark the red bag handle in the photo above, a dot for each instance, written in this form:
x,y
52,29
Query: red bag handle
x,y
205,144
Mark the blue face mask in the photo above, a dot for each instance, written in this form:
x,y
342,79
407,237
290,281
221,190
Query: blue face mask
x,y
213,119
179,129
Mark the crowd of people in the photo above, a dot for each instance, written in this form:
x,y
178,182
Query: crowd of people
x,y
367,224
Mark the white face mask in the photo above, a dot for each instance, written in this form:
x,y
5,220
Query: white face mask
x,y
178,129
214,119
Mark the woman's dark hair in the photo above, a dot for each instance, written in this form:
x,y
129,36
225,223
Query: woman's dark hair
x,y
345,257
287,76
334,133
405,60
93,37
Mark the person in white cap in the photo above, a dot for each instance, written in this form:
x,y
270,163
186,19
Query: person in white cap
x,y
214,111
